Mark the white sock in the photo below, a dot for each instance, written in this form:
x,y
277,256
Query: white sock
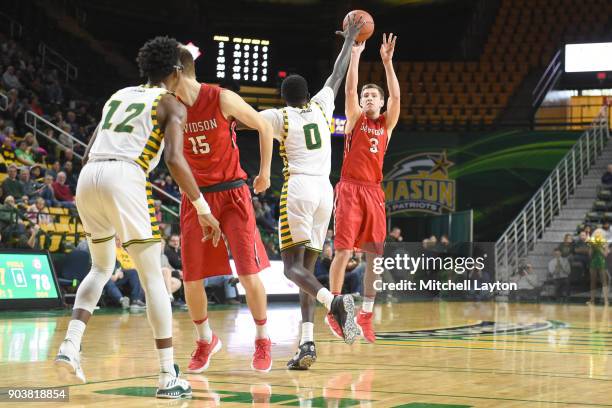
x,y
204,331
166,360
307,332
368,305
261,329
75,331
325,296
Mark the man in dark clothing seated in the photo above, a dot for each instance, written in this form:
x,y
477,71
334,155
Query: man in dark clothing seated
x,y
323,264
173,252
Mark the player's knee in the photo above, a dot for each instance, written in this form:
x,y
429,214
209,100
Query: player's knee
x,y
196,284
106,271
343,254
290,272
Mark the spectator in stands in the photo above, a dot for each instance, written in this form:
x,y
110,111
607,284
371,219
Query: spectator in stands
x,y
566,248
353,277
36,174
171,188
61,189
38,152
125,275
54,92
30,239
606,178
47,191
260,216
598,268
527,282
606,228
7,150
481,276
323,264
11,186
9,78
559,271
30,188
444,243
173,252
56,167
581,251
71,178
71,121
228,283
11,219
35,106
172,278
23,154
38,213
395,235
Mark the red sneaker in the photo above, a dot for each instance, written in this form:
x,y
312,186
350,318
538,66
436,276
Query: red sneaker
x,y
333,325
364,321
200,358
262,358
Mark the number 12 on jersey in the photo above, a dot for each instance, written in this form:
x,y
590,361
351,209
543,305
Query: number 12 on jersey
x,y
199,145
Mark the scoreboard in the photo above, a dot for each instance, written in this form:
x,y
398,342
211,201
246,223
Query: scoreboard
x,y
245,60
27,281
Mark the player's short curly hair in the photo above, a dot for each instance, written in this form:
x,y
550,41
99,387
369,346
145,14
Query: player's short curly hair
x,y
158,58
294,90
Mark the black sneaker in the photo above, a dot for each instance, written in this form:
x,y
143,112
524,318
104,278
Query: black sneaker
x,y
343,309
304,358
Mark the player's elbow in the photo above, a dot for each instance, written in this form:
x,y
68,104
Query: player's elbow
x,y
172,160
264,129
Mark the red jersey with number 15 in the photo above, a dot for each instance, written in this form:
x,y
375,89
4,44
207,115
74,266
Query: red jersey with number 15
x,y
364,150
209,141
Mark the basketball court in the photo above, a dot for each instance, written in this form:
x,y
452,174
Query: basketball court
x,y
438,354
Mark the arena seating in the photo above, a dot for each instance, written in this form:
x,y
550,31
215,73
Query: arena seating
x,y
523,39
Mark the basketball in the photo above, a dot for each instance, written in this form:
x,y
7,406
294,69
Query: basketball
x,y
368,28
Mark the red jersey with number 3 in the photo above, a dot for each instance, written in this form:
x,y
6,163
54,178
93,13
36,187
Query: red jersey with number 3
x,y
364,150
209,141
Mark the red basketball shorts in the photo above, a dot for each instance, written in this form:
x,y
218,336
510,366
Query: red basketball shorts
x,y
234,211
360,218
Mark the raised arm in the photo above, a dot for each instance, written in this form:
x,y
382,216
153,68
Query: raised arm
x,y
352,110
172,115
350,33
393,103
233,105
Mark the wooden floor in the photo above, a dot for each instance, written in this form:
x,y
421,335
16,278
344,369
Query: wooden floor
x,y
533,356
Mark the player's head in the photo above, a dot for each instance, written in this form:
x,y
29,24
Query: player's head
x,y
294,90
372,99
187,61
158,61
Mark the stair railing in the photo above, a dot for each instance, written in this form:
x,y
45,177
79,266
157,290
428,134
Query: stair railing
x,y
522,233
40,126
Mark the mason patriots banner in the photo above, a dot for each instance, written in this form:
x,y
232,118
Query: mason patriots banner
x,y
420,183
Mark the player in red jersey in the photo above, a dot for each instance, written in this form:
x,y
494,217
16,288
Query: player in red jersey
x,y
360,220
211,151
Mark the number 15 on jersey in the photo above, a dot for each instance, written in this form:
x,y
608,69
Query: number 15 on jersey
x,y
199,144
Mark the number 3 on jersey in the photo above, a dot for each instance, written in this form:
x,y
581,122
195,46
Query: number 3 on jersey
x,y
199,145
374,145
313,137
